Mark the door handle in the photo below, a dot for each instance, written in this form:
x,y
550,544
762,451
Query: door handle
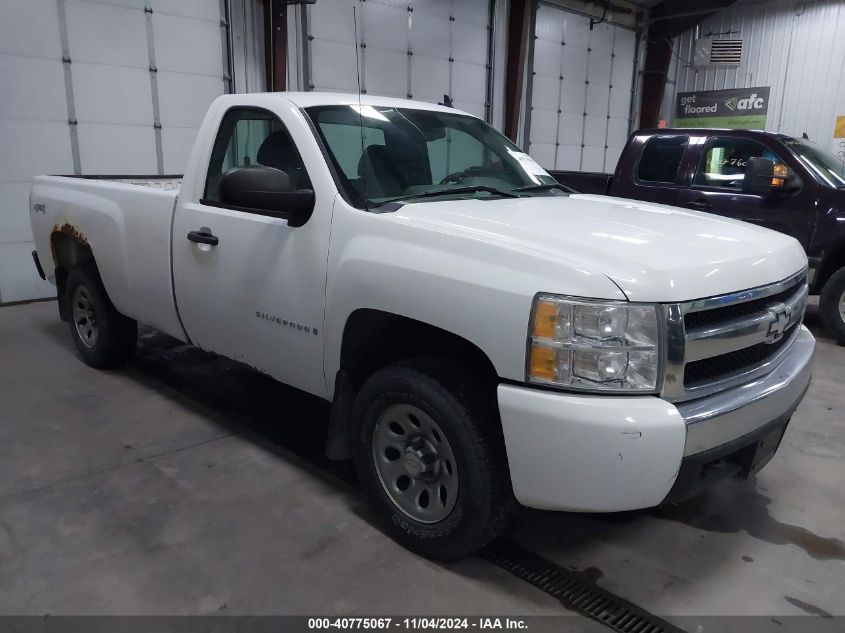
x,y
201,237
699,204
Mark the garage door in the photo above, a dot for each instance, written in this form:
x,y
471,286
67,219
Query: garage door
x,y
102,109
419,50
580,91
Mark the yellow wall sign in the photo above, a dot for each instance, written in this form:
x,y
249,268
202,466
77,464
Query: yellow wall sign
x,y
839,130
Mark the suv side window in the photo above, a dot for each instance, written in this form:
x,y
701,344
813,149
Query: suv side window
x,y
725,160
251,136
661,158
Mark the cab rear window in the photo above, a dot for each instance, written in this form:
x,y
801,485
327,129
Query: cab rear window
x,y
661,158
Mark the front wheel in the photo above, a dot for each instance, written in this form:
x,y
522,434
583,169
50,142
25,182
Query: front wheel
x,y
832,305
430,457
104,337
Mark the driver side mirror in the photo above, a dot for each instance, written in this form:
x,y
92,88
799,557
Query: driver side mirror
x,y
266,191
763,177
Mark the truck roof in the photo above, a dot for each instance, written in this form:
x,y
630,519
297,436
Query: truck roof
x,y
309,99
711,130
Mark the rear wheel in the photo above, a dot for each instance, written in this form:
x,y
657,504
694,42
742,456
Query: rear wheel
x,y
430,456
832,305
104,337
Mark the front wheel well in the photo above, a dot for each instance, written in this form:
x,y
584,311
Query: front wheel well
x,y
373,339
830,264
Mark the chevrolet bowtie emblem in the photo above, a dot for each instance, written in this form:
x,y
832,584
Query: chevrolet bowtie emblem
x,y
780,315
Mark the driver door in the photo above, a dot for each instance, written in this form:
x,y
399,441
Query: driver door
x,y
253,289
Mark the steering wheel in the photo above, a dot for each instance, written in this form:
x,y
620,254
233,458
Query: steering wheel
x,y
456,177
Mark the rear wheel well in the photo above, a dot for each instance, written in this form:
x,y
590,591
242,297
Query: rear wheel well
x,y
69,250
373,339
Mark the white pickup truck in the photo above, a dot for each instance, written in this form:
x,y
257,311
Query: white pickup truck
x,y
487,338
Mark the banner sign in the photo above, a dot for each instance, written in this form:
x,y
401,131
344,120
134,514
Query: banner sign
x,y
736,108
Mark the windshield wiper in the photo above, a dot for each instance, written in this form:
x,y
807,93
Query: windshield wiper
x,y
545,187
451,191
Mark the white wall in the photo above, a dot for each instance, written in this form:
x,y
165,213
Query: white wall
x,y
796,48
107,87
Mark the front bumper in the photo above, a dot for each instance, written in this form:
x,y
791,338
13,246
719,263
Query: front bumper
x,y
609,453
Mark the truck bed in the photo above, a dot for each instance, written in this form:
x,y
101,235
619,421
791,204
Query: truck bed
x,y
584,181
126,221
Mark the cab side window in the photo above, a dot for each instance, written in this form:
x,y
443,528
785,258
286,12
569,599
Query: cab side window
x,y
251,136
661,158
725,160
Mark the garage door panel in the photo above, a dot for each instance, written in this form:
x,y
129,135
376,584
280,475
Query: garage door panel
x,y
547,58
617,131
324,22
429,78
549,26
384,72
187,45
198,9
430,36
611,158
32,89
31,148
107,34
595,130
469,82
469,43
601,39
111,94
176,144
474,11
572,95
620,102
438,8
333,66
386,26
14,212
623,69
30,27
593,159
543,126
574,66
597,97
117,149
568,157
570,129
543,153
576,32
184,99
546,92
599,69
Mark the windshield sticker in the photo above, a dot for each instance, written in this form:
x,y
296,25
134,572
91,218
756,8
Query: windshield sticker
x,y
530,165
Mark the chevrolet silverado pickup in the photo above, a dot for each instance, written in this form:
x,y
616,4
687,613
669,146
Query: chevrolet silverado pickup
x,y
795,186
487,339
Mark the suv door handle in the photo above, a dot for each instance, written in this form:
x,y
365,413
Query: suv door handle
x,y
200,237
699,204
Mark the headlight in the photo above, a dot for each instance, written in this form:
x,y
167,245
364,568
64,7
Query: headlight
x,y
593,345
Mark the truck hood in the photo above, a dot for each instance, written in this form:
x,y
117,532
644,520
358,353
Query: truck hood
x,y
653,252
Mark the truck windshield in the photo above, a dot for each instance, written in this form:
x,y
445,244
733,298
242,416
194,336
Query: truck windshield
x,y
384,154
824,165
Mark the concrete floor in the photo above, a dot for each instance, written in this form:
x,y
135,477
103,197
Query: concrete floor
x,y
185,484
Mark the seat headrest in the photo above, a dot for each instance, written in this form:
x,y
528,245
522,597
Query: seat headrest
x,y
278,151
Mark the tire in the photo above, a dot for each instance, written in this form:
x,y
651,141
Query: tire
x,y
832,305
440,409
104,337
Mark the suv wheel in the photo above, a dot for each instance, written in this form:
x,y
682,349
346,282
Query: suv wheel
x,y
430,456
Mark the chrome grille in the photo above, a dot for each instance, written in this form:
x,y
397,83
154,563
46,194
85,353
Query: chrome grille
x,y
720,342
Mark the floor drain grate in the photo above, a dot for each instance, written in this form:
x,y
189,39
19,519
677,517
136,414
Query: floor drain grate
x,y
574,590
